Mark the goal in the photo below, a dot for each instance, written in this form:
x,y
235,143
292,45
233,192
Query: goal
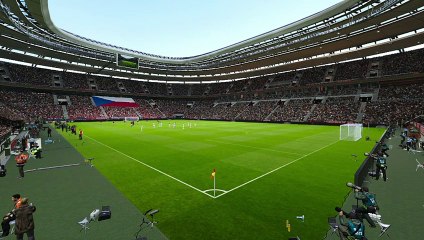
x,y
131,119
351,131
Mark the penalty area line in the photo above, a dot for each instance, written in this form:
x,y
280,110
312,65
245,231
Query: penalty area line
x,y
278,168
147,165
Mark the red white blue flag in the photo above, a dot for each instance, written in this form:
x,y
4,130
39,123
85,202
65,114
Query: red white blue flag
x,y
114,101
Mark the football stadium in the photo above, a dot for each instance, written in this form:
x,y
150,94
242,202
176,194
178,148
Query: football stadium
x,y
313,130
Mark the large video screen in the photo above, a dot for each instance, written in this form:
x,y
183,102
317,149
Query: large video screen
x,y
126,61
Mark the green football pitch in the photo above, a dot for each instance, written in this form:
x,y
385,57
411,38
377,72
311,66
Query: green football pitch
x,y
266,174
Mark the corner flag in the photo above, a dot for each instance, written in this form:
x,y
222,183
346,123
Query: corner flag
x,y
214,181
213,174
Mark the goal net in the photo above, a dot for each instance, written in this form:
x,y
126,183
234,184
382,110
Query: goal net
x,y
351,132
131,119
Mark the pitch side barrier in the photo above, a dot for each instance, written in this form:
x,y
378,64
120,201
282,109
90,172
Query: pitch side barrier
x,y
362,172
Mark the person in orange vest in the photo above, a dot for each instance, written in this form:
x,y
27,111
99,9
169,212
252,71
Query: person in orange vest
x,y
21,159
80,134
9,217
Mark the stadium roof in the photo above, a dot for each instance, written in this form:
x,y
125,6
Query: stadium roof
x,y
349,30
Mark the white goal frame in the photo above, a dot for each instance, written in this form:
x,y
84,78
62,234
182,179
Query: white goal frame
x,y
351,131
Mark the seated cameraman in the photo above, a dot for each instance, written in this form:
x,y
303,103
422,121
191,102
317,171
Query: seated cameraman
x,y
359,213
352,228
368,200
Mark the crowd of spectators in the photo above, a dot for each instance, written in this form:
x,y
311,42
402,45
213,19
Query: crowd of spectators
x,y
198,89
82,108
257,83
258,111
134,86
120,112
293,111
171,107
335,110
146,110
31,105
239,86
157,88
106,84
405,62
180,89
30,75
74,81
352,70
5,129
9,113
312,75
283,77
394,104
219,88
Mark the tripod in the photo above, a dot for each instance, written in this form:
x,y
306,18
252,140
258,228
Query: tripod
x,y
90,161
148,222
84,226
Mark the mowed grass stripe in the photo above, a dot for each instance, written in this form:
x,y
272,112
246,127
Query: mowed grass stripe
x,y
285,165
157,170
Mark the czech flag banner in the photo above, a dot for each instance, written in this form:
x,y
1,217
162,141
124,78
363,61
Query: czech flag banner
x,y
114,102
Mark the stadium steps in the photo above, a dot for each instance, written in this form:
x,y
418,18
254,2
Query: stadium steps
x,y
138,114
310,112
375,95
360,115
104,112
65,112
241,112
272,112
56,102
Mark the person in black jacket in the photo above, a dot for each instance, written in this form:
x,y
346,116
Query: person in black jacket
x,y
24,223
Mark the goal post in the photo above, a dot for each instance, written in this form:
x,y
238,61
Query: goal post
x,y
131,119
351,132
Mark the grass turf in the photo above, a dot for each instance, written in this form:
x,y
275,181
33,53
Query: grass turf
x,y
272,172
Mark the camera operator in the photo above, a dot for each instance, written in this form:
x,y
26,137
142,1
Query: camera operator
x,y
381,166
384,148
351,227
368,200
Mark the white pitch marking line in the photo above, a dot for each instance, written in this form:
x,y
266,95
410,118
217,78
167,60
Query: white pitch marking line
x,y
157,170
285,165
247,146
209,190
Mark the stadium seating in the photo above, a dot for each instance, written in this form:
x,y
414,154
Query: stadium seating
x,y
241,100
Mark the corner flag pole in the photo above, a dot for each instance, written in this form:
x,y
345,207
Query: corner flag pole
x,y
214,185
213,175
